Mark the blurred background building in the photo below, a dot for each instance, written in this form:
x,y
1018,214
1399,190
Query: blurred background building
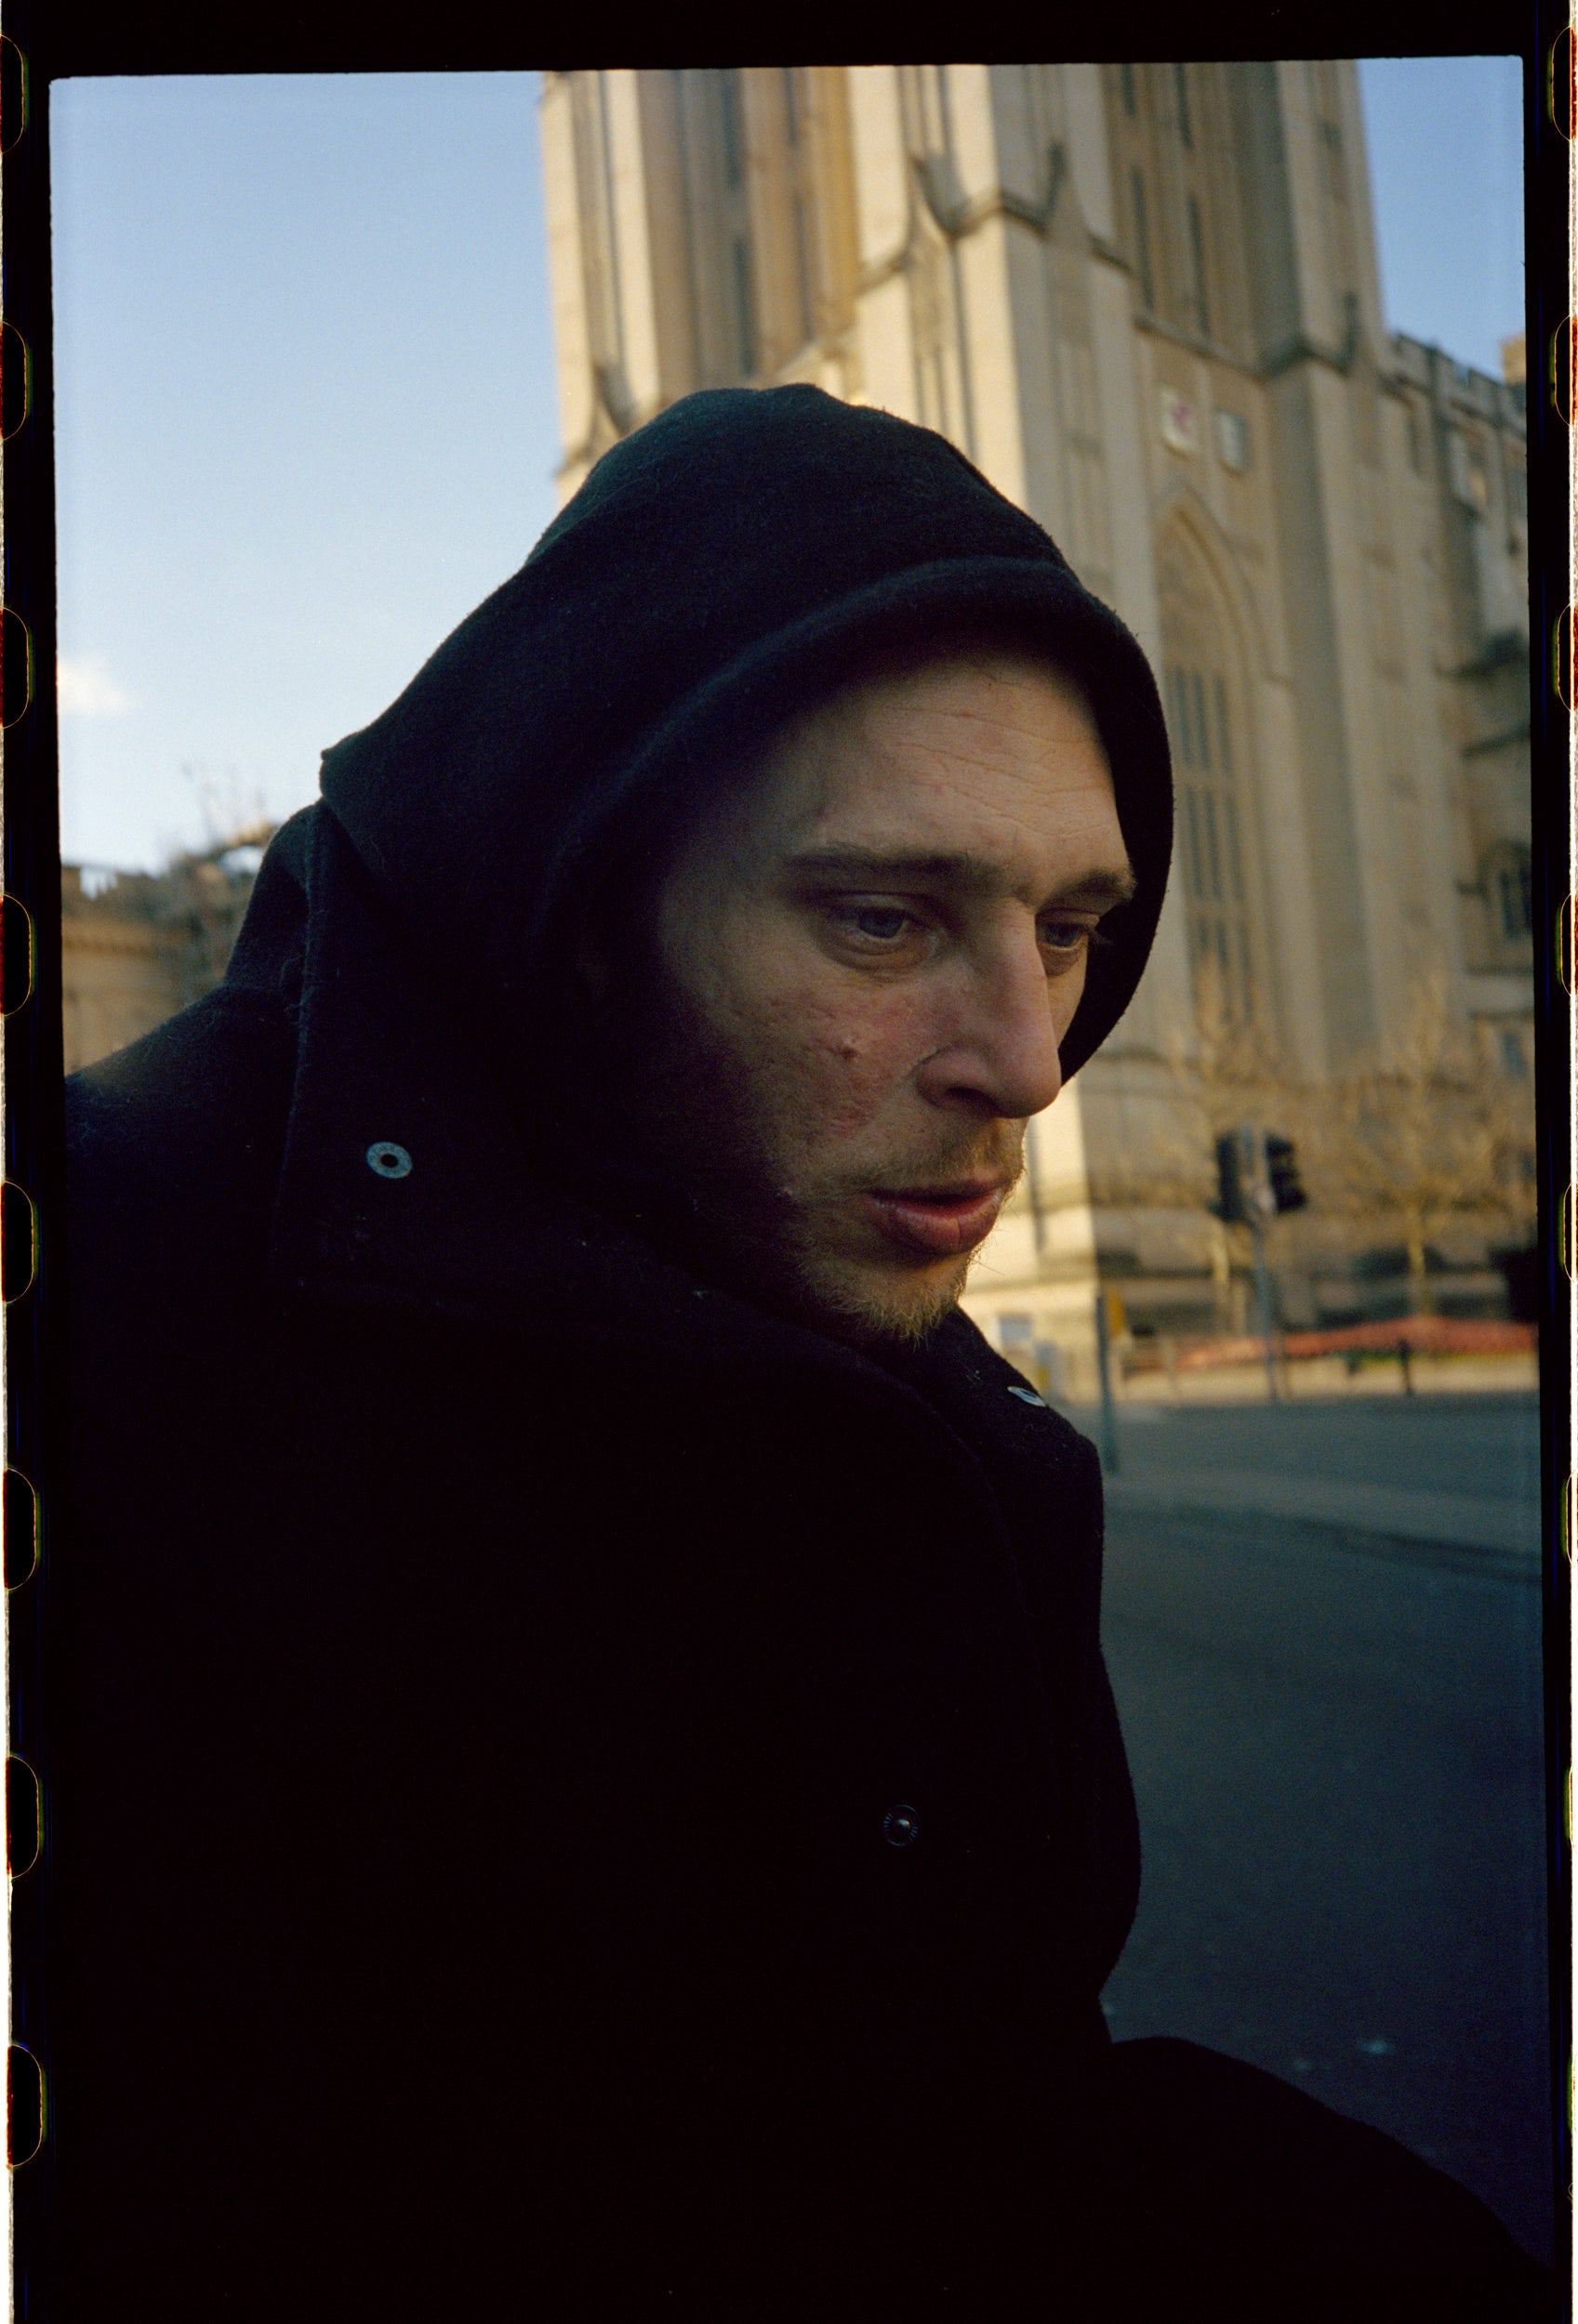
x,y
136,947
1144,301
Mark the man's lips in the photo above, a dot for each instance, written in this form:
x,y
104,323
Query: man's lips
x,y
941,1220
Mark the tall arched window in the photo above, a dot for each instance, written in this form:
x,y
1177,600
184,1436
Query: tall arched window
x,y
736,220
1202,690
768,217
1507,879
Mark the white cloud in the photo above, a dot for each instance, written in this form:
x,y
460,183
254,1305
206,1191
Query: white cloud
x,y
84,688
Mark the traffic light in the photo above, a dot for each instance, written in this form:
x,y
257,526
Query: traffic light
x,y
1231,1203
1281,1171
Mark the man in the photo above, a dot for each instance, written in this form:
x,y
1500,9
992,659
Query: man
x,y
860,968
590,1787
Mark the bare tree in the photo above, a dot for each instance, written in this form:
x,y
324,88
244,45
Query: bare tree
x,y
204,898
1215,1071
1424,1134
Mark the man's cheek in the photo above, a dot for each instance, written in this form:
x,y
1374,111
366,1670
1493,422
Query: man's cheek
x,y
849,1076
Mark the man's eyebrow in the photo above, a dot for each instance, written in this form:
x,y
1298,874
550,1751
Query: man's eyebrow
x,y
1106,888
968,875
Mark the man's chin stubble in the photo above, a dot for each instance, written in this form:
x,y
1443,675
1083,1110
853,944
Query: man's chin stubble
x,y
873,1324
868,1314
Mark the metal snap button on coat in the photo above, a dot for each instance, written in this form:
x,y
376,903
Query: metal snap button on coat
x,y
388,1160
900,1827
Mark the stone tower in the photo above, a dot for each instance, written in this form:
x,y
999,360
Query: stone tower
x,y
1144,301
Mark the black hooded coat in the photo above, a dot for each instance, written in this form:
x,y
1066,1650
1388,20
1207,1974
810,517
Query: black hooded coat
x,y
576,1796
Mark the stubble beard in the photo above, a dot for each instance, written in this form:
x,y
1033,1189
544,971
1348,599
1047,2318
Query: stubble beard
x,y
698,1120
869,1321
768,1250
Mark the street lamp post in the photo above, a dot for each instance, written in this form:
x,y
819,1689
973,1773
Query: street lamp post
x,y
1104,1368
1262,1206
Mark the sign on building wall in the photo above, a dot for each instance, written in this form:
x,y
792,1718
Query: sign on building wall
x,y
1180,427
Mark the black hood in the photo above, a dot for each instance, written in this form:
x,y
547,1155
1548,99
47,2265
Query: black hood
x,y
716,570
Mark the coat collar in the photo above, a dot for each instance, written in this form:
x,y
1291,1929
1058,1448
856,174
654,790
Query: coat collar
x,y
472,1233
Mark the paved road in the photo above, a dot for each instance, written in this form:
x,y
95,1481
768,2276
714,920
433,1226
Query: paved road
x,y
1335,1736
1461,1474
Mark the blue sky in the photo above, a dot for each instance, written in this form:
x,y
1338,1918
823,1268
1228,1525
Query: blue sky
x,y
1445,137
305,410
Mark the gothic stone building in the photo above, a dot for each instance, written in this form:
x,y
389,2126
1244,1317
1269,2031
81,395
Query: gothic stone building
x,y
1144,299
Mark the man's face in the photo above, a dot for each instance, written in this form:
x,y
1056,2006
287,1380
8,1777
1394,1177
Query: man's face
x,y
866,965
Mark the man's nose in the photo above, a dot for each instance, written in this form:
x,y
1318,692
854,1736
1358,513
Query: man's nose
x,y
1002,1057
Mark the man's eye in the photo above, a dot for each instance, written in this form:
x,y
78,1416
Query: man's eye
x,y
883,923
1066,935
